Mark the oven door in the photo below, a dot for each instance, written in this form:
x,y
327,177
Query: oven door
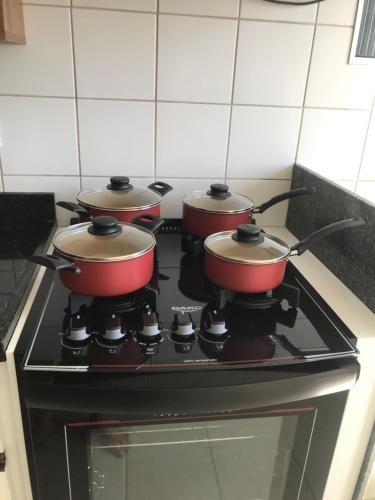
x,y
96,444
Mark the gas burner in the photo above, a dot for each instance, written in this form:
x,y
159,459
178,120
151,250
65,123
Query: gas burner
x,y
269,299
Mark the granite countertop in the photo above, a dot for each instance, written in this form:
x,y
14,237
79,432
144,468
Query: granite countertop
x,y
27,223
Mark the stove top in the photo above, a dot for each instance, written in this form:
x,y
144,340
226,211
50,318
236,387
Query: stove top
x,y
181,321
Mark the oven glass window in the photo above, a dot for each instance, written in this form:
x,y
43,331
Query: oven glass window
x,y
231,459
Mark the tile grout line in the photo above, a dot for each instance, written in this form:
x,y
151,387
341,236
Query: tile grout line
x,y
156,85
307,84
75,96
232,90
199,103
372,115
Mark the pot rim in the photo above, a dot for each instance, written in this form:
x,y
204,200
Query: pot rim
x,y
109,209
119,258
249,262
219,212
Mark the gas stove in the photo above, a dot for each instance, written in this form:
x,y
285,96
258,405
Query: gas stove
x,y
182,322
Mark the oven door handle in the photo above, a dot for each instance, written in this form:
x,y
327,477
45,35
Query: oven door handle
x,y
177,401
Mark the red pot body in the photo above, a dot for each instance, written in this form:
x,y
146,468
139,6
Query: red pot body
x,y
105,279
202,224
121,215
244,278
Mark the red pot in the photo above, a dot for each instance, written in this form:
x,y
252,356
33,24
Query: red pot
x,y
119,199
216,210
103,258
249,261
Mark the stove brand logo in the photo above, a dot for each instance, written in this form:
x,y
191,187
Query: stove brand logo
x,y
186,309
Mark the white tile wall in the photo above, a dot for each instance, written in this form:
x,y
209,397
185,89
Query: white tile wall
x,y
116,137
115,54
44,66
192,95
272,63
253,130
366,189
191,140
198,65
43,141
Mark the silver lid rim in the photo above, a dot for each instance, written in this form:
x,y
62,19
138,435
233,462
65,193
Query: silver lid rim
x,y
126,209
109,259
249,262
220,212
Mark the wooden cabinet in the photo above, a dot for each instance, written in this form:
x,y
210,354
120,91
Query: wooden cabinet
x,y
12,28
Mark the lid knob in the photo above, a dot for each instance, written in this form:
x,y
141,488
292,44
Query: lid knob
x,y
248,233
104,225
119,183
219,190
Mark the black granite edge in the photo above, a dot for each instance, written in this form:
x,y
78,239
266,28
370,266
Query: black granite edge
x,y
26,209
349,254
29,280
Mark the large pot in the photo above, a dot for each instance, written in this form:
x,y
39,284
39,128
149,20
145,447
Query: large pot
x,y
103,257
118,199
249,261
218,209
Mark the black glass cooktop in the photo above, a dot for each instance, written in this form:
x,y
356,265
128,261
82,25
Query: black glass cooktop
x,y
180,321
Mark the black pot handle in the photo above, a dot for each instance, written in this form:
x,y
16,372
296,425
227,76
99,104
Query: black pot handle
x,y
303,245
161,188
54,263
73,207
281,197
148,221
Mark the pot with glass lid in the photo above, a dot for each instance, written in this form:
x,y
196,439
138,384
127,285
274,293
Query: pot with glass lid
x,y
103,257
250,261
119,199
208,212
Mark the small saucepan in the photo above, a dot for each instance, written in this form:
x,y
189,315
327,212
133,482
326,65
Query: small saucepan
x,y
249,261
104,257
208,212
118,199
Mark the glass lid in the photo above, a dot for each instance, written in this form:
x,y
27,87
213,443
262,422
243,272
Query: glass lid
x,y
247,245
104,239
218,199
119,195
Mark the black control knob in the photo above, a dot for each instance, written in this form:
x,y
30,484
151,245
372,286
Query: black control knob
x,y
150,327
113,329
215,323
183,325
77,330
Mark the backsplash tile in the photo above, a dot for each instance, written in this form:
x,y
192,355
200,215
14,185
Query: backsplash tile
x,y
38,136
139,5
115,54
338,12
191,140
116,136
189,91
253,129
332,142
366,189
266,50
40,67
259,9
333,82
226,8
198,66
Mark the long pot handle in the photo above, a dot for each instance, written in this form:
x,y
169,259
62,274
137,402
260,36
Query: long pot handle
x,y
160,187
72,207
54,263
303,245
283,196
149,221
